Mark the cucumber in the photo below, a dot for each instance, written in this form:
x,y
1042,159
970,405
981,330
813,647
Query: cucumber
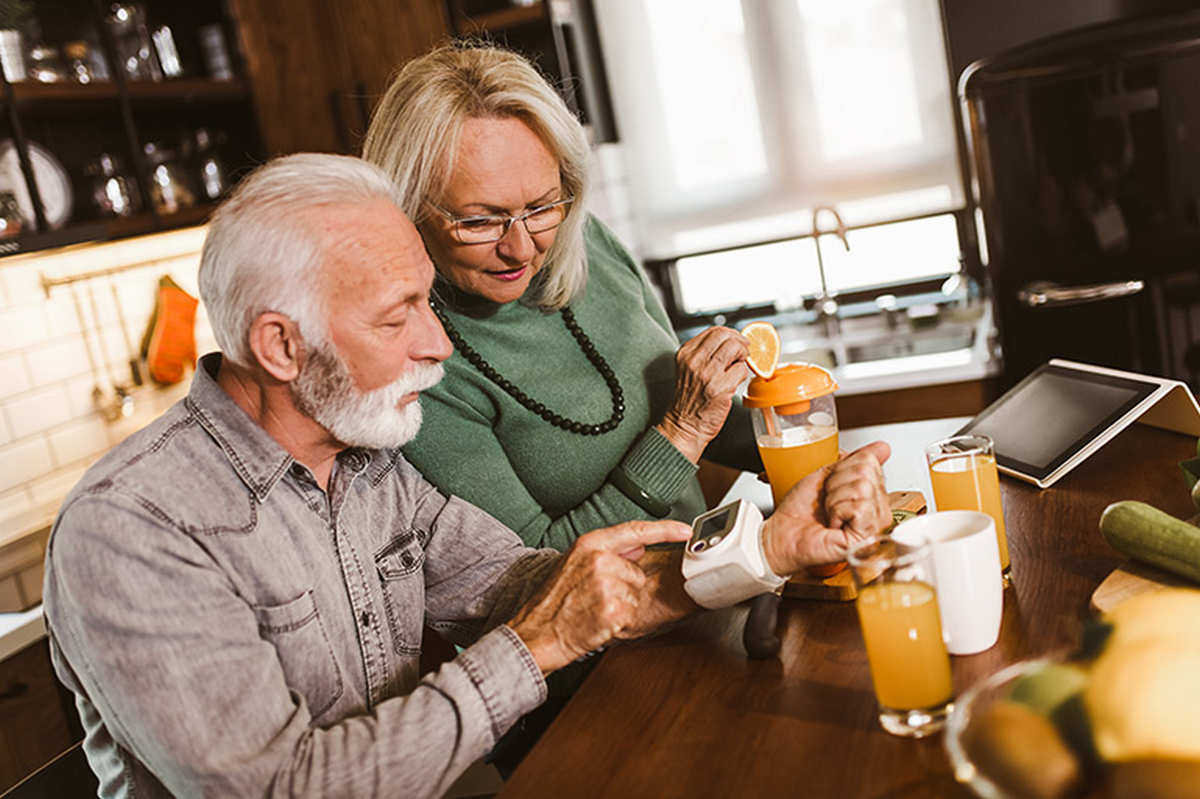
x,y
1147,534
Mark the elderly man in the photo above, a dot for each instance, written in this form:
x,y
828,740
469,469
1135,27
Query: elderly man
x,y
236,593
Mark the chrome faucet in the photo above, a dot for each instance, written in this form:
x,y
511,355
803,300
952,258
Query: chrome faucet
x,y
824,303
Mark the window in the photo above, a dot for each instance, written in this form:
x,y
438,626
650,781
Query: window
x,y
740,116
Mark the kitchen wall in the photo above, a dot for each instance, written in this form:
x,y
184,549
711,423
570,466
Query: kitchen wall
x,y
50,427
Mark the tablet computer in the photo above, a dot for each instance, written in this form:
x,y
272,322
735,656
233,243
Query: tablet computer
x,y
1064,411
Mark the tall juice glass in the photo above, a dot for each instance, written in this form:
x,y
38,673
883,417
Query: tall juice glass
x,y
962,472
901,627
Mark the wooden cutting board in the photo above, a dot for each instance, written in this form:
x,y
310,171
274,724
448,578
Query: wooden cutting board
x,y
840,586
1130,579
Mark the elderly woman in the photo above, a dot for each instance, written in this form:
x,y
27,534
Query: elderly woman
x,y
565,406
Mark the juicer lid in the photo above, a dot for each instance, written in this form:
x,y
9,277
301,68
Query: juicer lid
x,y
790,383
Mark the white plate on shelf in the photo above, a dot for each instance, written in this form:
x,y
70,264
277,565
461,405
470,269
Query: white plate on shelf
x,y
53,183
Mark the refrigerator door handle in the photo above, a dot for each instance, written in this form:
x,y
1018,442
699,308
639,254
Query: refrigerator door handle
x,y
1043,294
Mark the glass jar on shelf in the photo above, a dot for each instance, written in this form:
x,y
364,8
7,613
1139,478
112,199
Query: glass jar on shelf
x,y
11,220
135,51
79,67
45,64
170,189
112,191
212,175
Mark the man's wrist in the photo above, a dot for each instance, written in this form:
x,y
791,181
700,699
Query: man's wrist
x,y
771,549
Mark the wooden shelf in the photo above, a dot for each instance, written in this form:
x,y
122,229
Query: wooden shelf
x,y
116,227
182,90
186,89
32,91
195,215
504,18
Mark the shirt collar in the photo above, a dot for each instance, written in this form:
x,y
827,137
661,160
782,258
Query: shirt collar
x,y
256,457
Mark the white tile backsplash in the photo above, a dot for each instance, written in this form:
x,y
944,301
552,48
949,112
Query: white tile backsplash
x,y
24,461
13,376
21,326
79,440
53,487
61,317
23,285
15,502
37,410
50,428
58,361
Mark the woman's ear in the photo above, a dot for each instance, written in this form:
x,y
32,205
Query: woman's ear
x,y
277,346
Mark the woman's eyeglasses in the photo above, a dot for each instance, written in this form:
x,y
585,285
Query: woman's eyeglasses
x,y
484,229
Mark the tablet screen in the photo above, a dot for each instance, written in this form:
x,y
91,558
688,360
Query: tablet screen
x,y
1053,413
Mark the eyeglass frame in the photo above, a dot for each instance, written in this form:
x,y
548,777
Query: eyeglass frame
x,y
509,220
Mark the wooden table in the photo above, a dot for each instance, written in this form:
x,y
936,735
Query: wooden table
x,y
686,714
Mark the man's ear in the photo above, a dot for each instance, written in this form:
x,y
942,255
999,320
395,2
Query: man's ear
x,y
275,341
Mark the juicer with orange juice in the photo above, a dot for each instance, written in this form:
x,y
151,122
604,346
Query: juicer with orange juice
x,y
795,427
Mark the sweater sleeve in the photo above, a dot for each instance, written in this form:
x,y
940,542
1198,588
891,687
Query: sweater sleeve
x,y
734,446
652,464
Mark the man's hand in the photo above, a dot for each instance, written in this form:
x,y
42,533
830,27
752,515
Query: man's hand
x,y
597,593
829,511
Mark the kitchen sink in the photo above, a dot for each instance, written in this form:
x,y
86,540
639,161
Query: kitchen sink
x,y
876,338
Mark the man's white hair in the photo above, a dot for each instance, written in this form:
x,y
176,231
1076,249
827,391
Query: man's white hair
x,y
261,253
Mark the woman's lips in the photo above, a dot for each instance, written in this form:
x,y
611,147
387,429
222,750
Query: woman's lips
x,y
511,274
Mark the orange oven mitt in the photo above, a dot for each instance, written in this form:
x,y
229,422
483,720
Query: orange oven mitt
x,y
169,345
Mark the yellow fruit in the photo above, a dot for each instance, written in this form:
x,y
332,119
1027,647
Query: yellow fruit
x,y
764,348
1142,700
1170,614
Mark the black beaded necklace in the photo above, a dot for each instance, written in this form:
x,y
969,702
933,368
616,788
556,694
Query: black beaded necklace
x,y
585,344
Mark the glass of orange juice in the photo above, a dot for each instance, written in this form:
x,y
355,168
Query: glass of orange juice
x,y
962,471
902,629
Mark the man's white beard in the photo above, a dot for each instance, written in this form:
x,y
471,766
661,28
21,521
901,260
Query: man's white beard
x,y
325,390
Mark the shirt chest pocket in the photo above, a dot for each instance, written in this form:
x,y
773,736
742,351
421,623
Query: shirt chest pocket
x,y
305,655
400,566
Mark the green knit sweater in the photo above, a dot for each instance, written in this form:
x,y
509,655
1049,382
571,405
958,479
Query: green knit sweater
x,y
548,484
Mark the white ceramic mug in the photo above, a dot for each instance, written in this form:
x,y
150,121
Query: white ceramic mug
x,y
966,566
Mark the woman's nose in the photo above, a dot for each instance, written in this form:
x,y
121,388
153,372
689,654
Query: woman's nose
x,y
516,244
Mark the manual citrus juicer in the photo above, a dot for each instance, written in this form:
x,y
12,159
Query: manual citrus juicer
x,y
795,428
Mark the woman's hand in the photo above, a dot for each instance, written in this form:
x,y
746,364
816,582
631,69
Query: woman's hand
x,y
708,369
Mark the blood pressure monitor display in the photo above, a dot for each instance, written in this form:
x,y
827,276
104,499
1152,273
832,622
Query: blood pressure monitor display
x,y
710,528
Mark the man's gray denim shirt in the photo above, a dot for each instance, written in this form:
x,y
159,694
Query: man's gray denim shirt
x,y
230,629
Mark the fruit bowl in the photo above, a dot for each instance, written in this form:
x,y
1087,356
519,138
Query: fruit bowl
x,y
1027,731
970,704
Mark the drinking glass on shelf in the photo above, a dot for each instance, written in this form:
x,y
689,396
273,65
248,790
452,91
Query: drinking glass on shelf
x,y
962,472
898,611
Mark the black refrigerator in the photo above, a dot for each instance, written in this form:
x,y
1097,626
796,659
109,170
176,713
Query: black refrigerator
x,y
1084,152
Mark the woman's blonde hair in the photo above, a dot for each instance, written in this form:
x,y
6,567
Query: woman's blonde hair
x,y
414,135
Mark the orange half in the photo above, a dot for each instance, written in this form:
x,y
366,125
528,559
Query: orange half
x,y
764,348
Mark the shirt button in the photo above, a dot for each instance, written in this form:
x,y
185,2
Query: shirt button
x,y
355,460
365,618
297,470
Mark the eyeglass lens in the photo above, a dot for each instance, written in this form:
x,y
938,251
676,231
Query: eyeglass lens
x,y
479,229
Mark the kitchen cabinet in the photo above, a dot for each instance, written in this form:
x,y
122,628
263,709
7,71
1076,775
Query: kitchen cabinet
x,y
318,68
557,35
74,145
37,719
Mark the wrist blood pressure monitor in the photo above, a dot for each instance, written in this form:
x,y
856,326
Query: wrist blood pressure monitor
x,y
724,561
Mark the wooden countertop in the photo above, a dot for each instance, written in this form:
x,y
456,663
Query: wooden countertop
x,y
686,714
